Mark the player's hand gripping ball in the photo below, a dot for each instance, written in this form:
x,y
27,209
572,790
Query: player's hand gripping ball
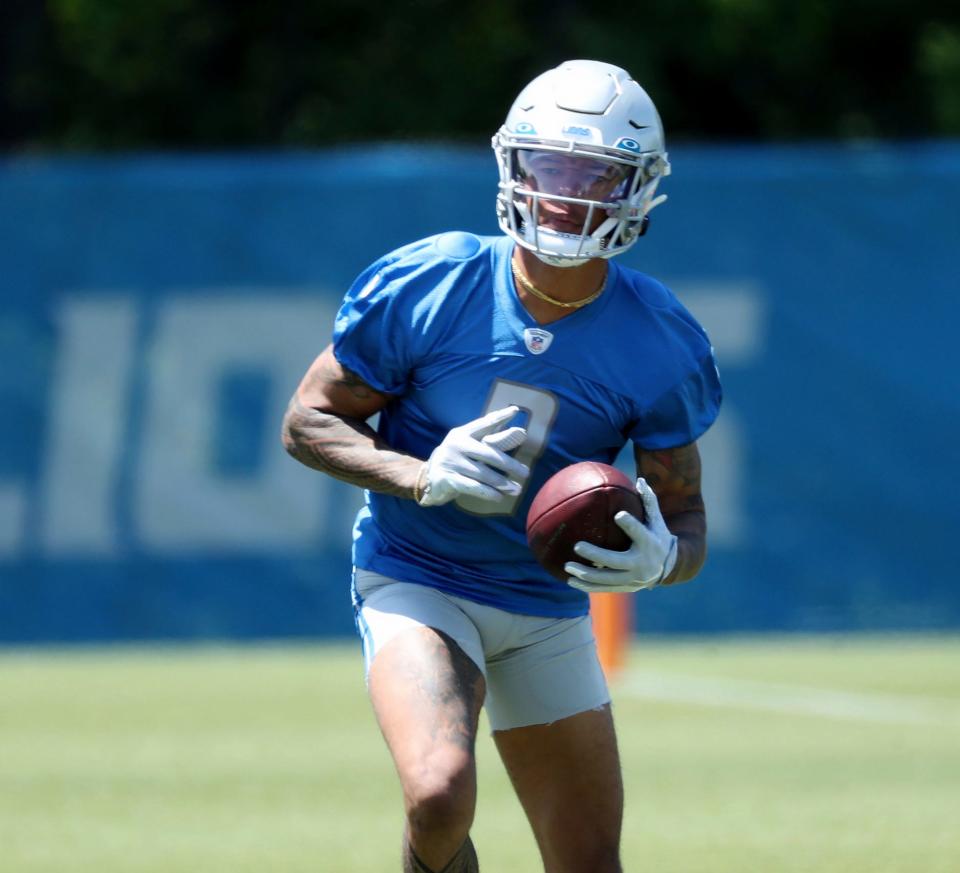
x,y
576,504
650,554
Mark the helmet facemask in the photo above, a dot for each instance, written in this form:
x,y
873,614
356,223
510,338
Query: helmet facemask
x,y
568,205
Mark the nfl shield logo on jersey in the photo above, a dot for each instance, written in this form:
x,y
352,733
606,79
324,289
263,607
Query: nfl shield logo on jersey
x,y
538,341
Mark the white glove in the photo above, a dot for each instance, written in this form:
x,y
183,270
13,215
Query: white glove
x,y
647,562
472,460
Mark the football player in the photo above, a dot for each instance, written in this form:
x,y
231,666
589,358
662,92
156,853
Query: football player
x,y
493,363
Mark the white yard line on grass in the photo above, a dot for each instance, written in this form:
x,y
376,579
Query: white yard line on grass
x,y
795,699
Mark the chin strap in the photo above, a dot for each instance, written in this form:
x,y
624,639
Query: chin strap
x,y
660,198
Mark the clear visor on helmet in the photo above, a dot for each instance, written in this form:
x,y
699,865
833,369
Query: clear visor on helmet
x,y
563,175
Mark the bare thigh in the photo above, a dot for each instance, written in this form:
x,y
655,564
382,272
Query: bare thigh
x,y
427,696
567,777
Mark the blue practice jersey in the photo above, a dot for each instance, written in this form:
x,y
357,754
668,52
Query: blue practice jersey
x,y
438,326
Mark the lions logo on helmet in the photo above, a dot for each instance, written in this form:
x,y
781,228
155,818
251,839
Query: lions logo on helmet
x,y
580,154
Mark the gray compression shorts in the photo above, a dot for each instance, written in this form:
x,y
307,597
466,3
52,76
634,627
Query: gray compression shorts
x,y
538,670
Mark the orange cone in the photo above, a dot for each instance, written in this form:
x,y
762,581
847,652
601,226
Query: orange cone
x,y
613,627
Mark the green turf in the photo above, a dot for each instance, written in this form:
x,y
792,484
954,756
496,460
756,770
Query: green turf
x,y
268,759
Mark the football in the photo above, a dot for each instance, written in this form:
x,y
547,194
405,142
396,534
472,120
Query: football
x,y
579,503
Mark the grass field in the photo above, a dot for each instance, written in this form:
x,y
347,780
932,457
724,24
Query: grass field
x,y
770,756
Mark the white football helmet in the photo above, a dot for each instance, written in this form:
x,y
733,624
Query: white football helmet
x,y
580,156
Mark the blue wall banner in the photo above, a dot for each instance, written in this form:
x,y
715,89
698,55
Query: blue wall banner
x,y
156,313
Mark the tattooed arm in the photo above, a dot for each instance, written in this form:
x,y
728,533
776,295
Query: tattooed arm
x,y
325,428
674,476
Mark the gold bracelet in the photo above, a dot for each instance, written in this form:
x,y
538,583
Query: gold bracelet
x,y
418,485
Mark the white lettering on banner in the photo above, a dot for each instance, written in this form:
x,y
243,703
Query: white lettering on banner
x,y
180,501
734,317
88,421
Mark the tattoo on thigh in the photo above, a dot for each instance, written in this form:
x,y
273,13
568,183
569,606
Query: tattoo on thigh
x,y
453,688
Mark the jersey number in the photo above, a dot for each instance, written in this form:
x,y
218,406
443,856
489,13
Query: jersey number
x,y
541,410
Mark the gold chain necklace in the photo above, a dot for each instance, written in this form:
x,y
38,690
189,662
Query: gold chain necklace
x,y
536,292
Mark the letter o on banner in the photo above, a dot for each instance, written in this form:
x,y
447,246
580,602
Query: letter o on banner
x,y
182,501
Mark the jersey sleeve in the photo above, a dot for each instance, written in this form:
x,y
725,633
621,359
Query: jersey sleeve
x,y
684,413
375,332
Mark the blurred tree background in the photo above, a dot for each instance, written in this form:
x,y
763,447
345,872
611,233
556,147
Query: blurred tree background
x,y
214,74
